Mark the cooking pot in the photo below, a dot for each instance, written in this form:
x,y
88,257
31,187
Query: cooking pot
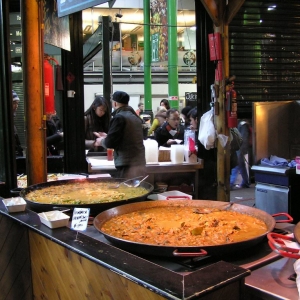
x,y
286,245
95,208
192,251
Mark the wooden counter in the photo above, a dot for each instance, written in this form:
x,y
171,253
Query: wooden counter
x,y
66,265
100,164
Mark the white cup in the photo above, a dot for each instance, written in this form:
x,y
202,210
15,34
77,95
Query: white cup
x,y
71,94
177,154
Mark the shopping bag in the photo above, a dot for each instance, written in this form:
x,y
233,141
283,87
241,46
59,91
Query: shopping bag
x,y
207,132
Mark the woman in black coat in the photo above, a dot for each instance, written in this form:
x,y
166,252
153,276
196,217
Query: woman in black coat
x,y
96,119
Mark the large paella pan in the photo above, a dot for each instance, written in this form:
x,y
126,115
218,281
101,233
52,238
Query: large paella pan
x,y
95,194
199,207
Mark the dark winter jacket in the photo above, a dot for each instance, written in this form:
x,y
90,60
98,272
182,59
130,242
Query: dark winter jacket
x,y
90,128
244,129
125,136
162,135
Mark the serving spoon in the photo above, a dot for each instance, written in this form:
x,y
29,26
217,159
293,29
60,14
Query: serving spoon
x,y
136,182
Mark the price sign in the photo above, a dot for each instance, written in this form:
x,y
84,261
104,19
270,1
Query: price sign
x,y
173,97
80,219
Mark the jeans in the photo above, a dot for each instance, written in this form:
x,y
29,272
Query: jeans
x,y
241,167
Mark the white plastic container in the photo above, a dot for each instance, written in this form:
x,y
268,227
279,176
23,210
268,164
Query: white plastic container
x,y
15,204
176,194
177,154
54,219
151,151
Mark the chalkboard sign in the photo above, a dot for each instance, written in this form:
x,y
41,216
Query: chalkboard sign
x,y
191,99
67,7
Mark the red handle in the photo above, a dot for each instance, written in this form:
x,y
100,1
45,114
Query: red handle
x,y
289,218
189,254
178,197
276,243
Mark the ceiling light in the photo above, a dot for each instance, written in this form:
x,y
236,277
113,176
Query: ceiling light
x,y
87,28
136,29
125,36
272,7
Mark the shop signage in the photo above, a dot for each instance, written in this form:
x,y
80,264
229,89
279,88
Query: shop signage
x,y
173,97
191,99
15,19
67,7
80,218
190,96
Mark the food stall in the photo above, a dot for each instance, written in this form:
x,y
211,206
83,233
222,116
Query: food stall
x,y
66,264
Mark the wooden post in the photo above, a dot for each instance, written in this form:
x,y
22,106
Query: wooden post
x,y
223,154
33,45
221,15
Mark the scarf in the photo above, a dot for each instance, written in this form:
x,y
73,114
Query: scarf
x,y
172,131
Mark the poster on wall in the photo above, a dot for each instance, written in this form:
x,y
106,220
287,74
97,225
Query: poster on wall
x,y
56,30
159,30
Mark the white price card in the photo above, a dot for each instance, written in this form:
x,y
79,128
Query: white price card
x,y
80,218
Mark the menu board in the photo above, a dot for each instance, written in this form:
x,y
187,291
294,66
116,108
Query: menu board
x,y
67,7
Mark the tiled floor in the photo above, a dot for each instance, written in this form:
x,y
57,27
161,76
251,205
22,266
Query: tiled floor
x,y
244,196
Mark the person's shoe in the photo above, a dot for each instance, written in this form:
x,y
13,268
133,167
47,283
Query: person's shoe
x,y
245,185
234,187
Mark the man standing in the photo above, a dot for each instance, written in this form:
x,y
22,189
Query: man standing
x,y
16,100
125,136
244,129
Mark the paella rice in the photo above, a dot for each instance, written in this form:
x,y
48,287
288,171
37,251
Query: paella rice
x,y
84,193
184,226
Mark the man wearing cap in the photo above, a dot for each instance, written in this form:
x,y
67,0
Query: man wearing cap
x,y
16,100
125,136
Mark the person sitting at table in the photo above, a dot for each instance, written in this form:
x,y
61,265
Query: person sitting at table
x,y
171,130
96,119
158,121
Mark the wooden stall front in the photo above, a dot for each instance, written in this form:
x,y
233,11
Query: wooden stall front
x,y
37,262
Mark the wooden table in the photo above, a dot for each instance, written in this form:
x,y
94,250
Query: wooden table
x,y
99,164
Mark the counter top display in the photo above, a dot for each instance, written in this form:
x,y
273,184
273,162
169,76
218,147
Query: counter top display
x,y
74,264
100,164
161,277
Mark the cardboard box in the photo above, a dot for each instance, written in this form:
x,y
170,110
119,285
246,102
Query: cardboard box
x,y
164,154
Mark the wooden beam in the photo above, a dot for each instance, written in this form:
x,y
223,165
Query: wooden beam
x,y
212,9
32,34
231,9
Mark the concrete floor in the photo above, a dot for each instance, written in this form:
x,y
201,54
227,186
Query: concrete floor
x,y
244,196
